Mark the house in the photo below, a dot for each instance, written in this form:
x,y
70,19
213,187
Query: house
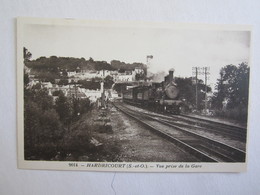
x,y
46,85
74,92
104,73
93,95
88,74
124,77
71,74
32,82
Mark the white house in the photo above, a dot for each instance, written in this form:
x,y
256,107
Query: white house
x,y
138,70
103,73
123,77
70,74
46,85
93,95
32,83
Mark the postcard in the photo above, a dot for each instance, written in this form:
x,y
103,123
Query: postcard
x,y
132,96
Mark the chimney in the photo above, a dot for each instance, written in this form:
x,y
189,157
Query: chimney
x,y
170,78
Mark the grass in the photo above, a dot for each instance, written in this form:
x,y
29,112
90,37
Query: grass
x,y
239,114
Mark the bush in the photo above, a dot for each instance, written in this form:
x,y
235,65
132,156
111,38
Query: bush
x,y
238,113
45,123
76,142
42,127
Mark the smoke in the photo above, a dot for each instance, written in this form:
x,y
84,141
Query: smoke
x,y
158,77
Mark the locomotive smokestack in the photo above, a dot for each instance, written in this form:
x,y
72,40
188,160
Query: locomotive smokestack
x,y
171,71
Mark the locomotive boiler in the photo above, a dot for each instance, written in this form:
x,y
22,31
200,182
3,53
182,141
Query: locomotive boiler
x,y
162,96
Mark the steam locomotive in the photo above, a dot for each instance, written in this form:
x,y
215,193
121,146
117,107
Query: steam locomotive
x,y
162,96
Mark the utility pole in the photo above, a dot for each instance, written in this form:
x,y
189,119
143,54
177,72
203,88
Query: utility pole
x,y
205,88
196,89
102,90
195,73
76,93
201,71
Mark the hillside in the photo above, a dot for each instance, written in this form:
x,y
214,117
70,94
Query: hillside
x,y
57,64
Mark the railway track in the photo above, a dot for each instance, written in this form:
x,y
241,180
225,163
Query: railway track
x,y
238,133
204,148
215,122
235,131
195,123
216,128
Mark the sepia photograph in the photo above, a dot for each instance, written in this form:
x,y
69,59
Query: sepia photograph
x,y
132,96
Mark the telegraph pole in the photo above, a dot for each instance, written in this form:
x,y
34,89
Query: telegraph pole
x,y
196,89
195,73
76,93
205,88
102,90
201,71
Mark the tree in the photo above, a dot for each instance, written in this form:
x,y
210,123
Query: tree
x,y
57,93
108,82
219,96
188,92
116,64
81,106
140,76
232,86
102,65
32,114
42,126
64,109
63,82
91,59
94,84
51,130
39,96
243,83
26,55
42,98
26,79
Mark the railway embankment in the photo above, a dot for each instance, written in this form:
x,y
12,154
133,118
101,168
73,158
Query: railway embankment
x,y
107,135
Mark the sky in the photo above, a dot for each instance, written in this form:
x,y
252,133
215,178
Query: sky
x,y
178,48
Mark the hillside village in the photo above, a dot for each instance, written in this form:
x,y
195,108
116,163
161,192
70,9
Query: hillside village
x,y
69,81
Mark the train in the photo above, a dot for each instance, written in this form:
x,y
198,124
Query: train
x,y
161,97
